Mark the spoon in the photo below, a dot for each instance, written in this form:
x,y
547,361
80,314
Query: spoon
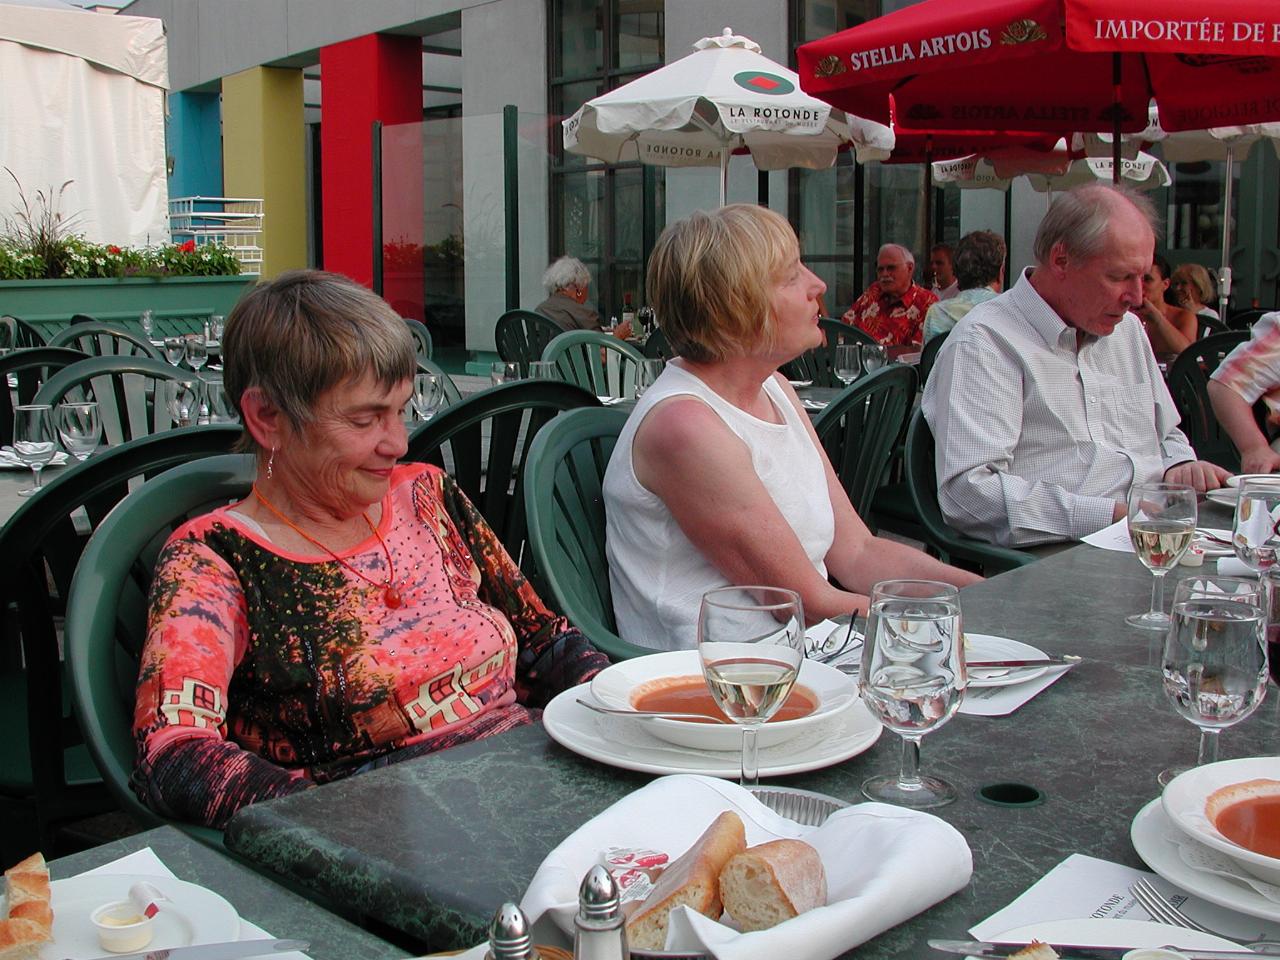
x,y
650,713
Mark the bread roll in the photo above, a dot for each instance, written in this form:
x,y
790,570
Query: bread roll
x,y
764,885
30,916
691,880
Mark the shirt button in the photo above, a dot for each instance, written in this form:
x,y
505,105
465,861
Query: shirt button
x,y
1093,399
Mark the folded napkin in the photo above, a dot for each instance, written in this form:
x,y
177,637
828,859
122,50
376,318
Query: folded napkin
x,y
884,864
1234,567
11,461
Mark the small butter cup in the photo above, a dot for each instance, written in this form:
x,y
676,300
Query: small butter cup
x,y
121,927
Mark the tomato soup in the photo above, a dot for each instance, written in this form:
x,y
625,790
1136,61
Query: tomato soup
x,y
1252,823
690,695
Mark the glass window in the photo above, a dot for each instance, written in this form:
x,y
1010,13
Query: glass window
x,y
579,37
640,29
1195,204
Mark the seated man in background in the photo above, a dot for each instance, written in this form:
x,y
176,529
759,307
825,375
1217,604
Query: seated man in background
x,y
1250,372
943,267
1046,402
979,275
567,282
892,309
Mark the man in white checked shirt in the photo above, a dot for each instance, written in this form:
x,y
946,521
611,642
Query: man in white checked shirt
x,y
1046,403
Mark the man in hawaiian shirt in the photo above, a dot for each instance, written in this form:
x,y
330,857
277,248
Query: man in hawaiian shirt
x,y
892,309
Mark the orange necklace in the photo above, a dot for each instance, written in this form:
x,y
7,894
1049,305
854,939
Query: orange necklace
x,y
390,593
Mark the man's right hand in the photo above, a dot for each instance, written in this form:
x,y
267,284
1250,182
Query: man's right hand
x,y
1259,460
623,330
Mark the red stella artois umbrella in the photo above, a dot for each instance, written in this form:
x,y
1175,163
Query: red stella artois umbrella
x,y
1054,65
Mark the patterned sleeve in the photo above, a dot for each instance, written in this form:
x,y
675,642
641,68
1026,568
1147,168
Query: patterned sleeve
x,y
1253,368
553,654
196,634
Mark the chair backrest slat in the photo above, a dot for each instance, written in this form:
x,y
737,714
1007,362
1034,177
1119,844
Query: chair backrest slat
x,y
597,362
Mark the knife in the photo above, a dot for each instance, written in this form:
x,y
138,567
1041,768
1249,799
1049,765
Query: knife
x,y
229,950
1043,662
1067,951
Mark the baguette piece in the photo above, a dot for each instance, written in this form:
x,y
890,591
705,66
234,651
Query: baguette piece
x,y
691,880
30,916
1036,950
772,882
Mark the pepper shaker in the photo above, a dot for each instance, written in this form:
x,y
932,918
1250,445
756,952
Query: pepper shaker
x,y
600,931
509,936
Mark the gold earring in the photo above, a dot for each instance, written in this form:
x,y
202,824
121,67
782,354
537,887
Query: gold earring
x,y
271,462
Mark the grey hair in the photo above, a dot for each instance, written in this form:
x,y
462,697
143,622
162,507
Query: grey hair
x,y
907,255
565,272
305,332
978,259
1080,218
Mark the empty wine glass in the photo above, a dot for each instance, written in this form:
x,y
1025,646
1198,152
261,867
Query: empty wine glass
x,y
175,348
912,679
1214,665
874,356
504,373
216,325
148,322
182,399
218,402
428,395
647,373
751,645
80,428
1255,531
196,351
1162,524
848,362
33,439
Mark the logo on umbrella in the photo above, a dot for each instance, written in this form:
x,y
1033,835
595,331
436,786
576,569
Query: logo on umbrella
x,y
770,84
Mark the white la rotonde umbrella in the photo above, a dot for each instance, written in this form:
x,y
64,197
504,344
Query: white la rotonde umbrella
x,y
724,96
1048,171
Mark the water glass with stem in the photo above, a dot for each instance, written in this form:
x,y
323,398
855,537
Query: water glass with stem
x,y
1162,524
175,348
216,324
1255,531
1214,665
751,645
504,372
182,396
874,356
34,440
912,679
148,322
196,351
428,395
80,427
219,402
848,362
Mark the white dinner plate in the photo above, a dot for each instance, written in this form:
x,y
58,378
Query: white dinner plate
x,y
983,646
1149,831
1092,932
193,915
1239,478
1211,548
614,686
621,742
1227,496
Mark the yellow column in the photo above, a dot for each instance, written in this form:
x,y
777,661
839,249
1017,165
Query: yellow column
x,y
263,155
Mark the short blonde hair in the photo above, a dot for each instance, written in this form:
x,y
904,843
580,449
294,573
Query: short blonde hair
x,y
710,277
307,331
1198,277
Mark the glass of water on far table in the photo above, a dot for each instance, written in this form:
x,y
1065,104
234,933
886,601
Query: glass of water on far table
x,y
874,356
912,679
34,440
751,644
848,362
1162,524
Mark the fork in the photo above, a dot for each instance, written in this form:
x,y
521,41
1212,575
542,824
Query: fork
x,y
1162,911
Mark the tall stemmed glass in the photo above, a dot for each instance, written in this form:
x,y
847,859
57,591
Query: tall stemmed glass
x,y
912,679
751,643
34,440
148,322
1255,533
1214,665
428,395
80,427
1162,524
848,362
874,356
175,348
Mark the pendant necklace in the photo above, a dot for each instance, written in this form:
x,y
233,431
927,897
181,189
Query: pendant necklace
x,y
390,592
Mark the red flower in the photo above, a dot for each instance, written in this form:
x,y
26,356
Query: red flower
x,y
188,247
112,248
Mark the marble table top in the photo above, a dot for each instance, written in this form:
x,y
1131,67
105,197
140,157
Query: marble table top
x,y
430,847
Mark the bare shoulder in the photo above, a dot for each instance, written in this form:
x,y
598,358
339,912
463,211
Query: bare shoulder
x,y
679,425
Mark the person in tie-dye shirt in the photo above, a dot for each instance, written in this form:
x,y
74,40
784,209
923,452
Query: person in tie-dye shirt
x,y
1251,372
351,611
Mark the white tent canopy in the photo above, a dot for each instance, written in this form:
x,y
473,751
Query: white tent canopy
x,y
84,101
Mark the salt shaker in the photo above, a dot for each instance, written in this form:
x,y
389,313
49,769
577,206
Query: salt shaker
x,y
509,936
600,931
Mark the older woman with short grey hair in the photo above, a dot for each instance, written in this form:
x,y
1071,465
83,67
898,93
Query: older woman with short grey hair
x,y
567,282
352,610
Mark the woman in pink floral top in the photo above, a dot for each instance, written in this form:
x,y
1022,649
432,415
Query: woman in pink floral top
x,y
351,611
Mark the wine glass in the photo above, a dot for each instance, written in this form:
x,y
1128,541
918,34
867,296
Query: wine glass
x,y
196,351
33,439
543,370
647,373
428,395
148,322
1255,532
182,399
1162,524
647,320
1214,665
175,348
874,356
219,402
504,373
216,325
912,679
80,427
751,644
848,362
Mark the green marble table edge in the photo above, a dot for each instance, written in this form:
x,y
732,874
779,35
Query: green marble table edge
x,y
255,897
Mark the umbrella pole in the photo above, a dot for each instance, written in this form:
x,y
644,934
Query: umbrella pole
x,y
928,195
1224,271
724,173
1115,118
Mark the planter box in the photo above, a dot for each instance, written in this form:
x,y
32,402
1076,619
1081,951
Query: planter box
x,y
180,304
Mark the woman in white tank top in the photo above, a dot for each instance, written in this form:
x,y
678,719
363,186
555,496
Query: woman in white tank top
x,y
718,477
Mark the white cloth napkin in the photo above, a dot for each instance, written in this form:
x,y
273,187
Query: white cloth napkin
x,y
1234,567
884,864
145,863
11,461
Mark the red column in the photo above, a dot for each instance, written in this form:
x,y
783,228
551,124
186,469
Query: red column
x,y
374,77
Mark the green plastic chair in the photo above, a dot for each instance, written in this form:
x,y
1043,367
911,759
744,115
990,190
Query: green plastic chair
x,y
129,392
421,338
484,441
565,507
451,392
107,610
819,364
859,429
656,346
522,335
929,355
597,362
47,777
950,544
102,339
29,367
1188,382
17,334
